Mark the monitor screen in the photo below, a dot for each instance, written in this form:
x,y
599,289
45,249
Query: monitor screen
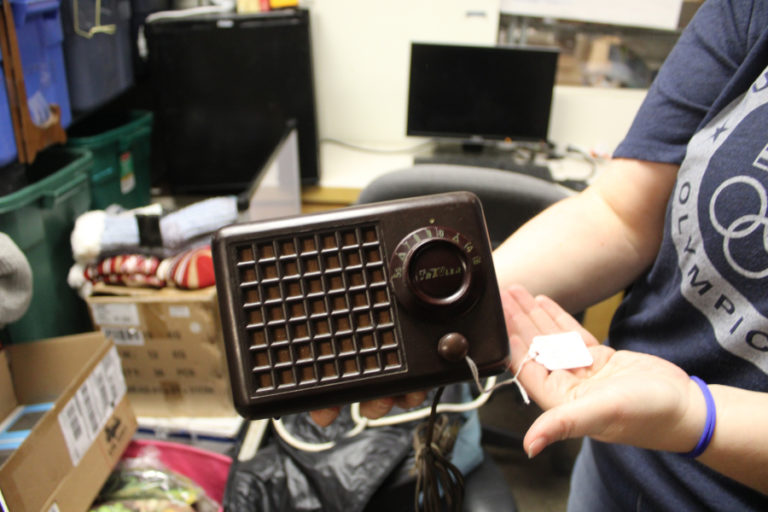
x,y
492,93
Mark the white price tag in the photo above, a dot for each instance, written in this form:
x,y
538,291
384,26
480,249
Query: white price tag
x,y
562,351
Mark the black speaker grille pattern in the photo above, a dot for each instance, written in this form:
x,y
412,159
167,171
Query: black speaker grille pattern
x,y
317,308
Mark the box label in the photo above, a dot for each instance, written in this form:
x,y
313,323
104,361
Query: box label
x,y
86,413
124,336
127,175
116,313
179,311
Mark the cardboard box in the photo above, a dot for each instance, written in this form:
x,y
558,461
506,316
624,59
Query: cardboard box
x,y
171,345
71,450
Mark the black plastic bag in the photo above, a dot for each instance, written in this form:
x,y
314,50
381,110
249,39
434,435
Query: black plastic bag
x,y
281,478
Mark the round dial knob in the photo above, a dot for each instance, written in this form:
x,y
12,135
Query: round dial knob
x,y
436,268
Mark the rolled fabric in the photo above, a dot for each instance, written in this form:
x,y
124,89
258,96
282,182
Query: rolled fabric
x,y
190,269
148,230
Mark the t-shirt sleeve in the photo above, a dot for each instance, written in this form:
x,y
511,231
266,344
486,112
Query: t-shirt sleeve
x,y
692,78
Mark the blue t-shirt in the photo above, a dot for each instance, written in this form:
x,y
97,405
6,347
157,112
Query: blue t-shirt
x,y
703,304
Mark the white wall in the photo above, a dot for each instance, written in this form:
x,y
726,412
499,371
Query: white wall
x,y
362,55
591,117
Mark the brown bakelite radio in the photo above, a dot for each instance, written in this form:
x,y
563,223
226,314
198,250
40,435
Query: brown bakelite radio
x,y
352,304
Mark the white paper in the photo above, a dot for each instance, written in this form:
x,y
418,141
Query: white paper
x,y
563,351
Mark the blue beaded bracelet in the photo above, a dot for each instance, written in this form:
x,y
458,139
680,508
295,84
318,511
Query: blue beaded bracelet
x,y
709,424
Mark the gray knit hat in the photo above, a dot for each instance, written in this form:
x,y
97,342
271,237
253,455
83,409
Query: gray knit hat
x,y
15,281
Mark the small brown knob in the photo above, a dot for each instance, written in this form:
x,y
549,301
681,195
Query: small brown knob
x,y
453,347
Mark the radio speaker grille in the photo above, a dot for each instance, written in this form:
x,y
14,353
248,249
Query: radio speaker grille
x,y
317,308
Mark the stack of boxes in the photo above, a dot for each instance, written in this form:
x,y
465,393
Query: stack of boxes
x,y
171,346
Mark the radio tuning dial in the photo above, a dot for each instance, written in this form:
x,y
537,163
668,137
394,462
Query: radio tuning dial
x,y
436,269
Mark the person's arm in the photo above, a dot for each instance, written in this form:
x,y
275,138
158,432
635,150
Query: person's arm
x,y
588,247
632,398
578,251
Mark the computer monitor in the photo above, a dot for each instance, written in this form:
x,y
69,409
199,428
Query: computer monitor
x,y
485,93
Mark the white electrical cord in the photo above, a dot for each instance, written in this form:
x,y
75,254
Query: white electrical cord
x,y
420,414
305,446
362,422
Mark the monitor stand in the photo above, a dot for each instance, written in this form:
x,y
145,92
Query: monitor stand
x,y
524,158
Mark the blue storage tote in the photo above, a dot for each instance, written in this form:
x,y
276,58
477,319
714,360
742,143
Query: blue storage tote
x,y
40,39
7,138
40,218
97,50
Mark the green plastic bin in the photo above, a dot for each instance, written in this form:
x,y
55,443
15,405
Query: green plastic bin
x,y
40,218
121,147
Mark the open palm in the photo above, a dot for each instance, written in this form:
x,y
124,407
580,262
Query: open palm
x,y
623,397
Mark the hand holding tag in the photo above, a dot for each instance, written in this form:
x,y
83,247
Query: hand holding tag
x,y
621,397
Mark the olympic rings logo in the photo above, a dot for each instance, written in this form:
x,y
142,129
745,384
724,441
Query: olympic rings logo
x,y
743,226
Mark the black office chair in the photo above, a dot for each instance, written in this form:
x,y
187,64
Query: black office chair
x,y
509,199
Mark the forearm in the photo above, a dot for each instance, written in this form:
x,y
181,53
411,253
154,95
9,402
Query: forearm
x,y
739,446
588,247
567,253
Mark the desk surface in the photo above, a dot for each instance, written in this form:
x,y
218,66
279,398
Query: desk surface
x,y
346,167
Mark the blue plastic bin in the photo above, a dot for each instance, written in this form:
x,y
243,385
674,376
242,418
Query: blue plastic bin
x,y
7,138
40,38
40,41
98,55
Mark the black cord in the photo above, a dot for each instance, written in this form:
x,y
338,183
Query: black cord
x,y
587,157
434,472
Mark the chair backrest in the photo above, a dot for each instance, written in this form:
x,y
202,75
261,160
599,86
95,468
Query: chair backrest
x,y
509,199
